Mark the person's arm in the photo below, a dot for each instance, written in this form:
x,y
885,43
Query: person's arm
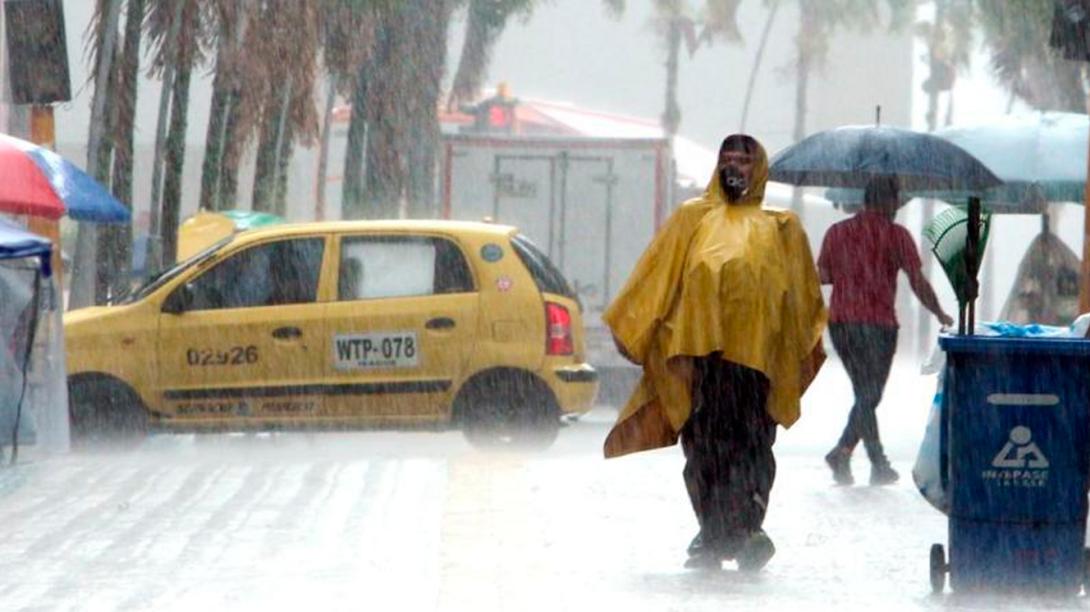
x,y
824,273
920,286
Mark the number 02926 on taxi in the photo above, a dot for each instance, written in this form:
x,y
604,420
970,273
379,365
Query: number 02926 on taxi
x,y
397,349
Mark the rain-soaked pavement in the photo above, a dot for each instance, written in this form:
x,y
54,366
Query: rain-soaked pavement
x,y
422,521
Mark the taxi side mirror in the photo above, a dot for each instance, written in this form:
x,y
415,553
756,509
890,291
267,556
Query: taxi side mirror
x,y
179,301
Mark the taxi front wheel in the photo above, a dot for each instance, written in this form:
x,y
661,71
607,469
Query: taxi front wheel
x,y
508,410
105,413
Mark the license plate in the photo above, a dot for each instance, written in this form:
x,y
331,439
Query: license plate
x,y
398,349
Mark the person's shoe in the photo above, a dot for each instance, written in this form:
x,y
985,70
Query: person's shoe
x,y
703,560
696,545
883,474
840,463
755,552
701,556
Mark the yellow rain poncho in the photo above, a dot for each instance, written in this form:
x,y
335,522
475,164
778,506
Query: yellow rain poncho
x,y
737,279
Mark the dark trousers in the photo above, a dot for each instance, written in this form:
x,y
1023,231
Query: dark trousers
x,y
729,465
867,353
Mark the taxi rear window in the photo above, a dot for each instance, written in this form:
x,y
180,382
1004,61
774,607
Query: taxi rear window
x,y
401,266
547,277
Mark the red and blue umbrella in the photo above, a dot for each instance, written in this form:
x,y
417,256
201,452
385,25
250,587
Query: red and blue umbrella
x,y
36,181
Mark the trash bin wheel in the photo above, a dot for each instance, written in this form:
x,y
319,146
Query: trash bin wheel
x,y
1086,570
938,568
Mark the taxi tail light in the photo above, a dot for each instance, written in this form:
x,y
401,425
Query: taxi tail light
x,y
558,326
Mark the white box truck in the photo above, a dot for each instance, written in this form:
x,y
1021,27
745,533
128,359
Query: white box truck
x,y
591,204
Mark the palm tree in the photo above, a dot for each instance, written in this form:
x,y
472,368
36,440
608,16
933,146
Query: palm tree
x,y
386,147
230,19
396,108
427,57
773,8
349,45
177,31
352,200
84,273
186,55
949,38
402,100
115,241
283,74
818,20
347,39
1016,33
486,20
678,21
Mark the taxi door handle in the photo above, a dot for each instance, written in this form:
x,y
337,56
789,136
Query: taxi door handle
x,y
284,333
440,323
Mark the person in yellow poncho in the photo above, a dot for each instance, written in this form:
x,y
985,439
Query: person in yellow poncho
x,y
724,313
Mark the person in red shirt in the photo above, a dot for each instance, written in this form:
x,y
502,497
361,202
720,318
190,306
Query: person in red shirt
x,y
860,258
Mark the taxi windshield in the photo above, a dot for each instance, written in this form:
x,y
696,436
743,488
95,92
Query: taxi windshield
x,y
159,279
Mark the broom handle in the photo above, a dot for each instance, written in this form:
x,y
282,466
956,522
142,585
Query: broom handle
x,y
972,264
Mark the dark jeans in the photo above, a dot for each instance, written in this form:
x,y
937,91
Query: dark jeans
x,y
867,353
729,465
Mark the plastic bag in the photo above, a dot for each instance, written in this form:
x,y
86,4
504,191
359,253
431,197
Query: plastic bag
x,y
927,472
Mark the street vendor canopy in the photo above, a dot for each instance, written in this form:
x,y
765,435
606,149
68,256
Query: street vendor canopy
x,y
16,243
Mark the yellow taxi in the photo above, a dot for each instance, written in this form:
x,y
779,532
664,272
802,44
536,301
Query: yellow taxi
x,y
339,324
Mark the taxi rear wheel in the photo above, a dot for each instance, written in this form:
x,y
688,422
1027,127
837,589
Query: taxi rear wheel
x,y
105,412
508,410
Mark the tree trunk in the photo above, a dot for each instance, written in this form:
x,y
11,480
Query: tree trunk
x,y
213,141
266,158
671,115
386,119
154,256
283,164
175,161
323,150
773,8
114,241
803,67
120,237
282,152
105,254
352,192
84,265
268,152
479,38
220,167
227,194
429,33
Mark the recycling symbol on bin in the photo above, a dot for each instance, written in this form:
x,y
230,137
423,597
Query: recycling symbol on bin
x,y
1021,452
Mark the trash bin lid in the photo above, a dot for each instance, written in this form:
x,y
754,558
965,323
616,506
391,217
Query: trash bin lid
x,y
1024,345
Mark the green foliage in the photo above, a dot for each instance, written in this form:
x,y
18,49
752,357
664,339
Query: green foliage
x,y
1016,34
822,17
614,7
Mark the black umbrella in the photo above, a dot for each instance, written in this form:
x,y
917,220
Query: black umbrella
x,y
850,156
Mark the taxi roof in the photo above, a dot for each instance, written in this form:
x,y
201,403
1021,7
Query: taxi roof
x,y
446,226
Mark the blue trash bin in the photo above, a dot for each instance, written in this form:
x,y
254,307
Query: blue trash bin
x,y
1016,450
